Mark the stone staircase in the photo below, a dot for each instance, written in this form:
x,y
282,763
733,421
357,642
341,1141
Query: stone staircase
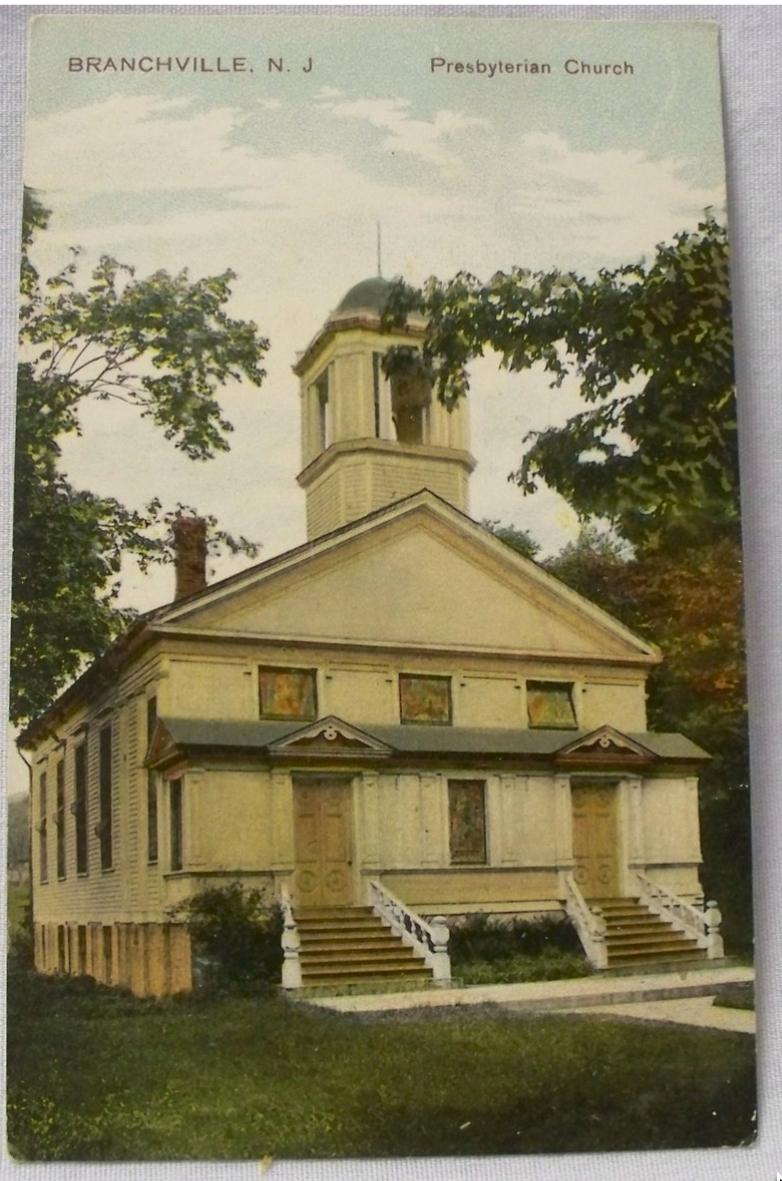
x,y
351,945
637,937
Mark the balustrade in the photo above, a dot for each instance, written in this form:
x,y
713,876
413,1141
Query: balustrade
x,y
429,940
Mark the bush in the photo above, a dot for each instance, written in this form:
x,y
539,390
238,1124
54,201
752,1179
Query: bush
x,y
481,938
236,937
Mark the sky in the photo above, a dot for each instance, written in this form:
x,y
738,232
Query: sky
x,y
282,176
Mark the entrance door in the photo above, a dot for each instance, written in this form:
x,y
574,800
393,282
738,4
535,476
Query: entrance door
x,y
322,816
594,839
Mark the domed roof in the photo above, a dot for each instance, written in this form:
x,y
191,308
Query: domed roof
x,y
369,295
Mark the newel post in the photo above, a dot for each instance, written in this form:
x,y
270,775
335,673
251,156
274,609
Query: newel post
x,y
291,946
600,948
441,965
713,920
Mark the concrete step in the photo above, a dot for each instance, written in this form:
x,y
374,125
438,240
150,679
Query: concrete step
x,y
347,939
341,972
386,959
333,912
649,954
648,938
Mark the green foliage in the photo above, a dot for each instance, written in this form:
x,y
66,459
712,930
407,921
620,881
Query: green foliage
x,y
164,345
236,936
243,1078
482,942
651,347
516,539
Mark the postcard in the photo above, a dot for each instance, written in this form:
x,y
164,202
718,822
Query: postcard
x,y
377,647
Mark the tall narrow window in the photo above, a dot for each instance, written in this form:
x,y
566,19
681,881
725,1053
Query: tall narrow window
x,y
106,799
152,817
151,717
108,958
43,843
322,392
60,818
177,835
377,374
467,821
152,823
80,805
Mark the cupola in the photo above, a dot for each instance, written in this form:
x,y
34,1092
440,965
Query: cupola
x,y
366,440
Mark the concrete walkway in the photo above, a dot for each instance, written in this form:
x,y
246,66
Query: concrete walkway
x,y
693,1010
592,992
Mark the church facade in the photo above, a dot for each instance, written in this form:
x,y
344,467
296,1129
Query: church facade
x,y
399,723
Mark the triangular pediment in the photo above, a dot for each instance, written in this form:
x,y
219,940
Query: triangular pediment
x,y
333,737
418,574
161,746
605,745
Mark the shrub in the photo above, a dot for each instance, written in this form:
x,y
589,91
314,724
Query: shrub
x,y
482,938
236,938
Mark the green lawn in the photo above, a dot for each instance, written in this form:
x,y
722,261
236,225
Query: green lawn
x,y
94,1075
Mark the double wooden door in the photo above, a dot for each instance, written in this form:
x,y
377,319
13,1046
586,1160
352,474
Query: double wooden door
x,y
323,827
596,868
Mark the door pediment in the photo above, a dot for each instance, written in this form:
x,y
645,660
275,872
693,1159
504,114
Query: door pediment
x,y
605,745
330,737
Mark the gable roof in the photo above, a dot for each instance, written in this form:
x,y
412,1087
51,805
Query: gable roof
x,y
416,582
180,615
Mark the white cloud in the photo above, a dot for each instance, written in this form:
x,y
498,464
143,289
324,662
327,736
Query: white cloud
x,y
417,137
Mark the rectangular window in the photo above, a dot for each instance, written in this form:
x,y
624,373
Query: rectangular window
x,y
152,833
425,700
81,950
550,705
177,834
106,799
60,818
322,393
151,717
288,693
377,373
152,820
467,820
80,805
62,963
108,957
43,843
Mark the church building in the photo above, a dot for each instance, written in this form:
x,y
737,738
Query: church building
x,y
397,724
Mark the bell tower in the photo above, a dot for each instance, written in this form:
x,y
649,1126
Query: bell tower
x,y
367,441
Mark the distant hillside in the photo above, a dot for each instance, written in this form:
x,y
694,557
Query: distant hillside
x,y
18,829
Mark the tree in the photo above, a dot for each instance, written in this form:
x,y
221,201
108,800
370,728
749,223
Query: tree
x,y
516,539
655,450
163,344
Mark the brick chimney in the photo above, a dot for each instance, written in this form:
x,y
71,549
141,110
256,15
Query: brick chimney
x,y
190,555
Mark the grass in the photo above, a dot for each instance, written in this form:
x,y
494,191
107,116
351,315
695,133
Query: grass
x,y
552,964
95,1075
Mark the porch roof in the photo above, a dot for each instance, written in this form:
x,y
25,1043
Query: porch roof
x,y
418,739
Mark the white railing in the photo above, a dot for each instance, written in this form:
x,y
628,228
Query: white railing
x,y
702,925
429,940
589,923
291,943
